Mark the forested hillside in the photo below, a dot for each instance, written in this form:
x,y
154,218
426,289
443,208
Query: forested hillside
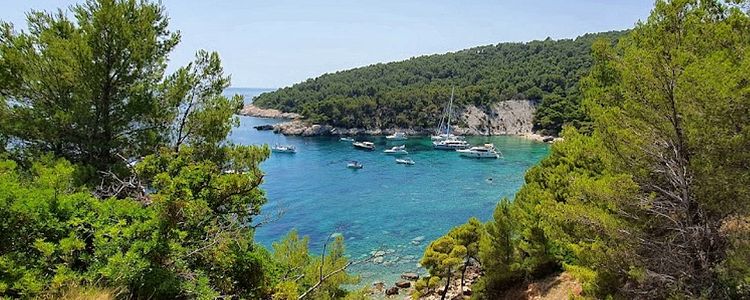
x,y
413,93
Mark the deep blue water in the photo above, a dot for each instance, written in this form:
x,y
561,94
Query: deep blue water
x,y
384,206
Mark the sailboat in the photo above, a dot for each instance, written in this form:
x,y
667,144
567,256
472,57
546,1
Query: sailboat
x,y
448,141
443,130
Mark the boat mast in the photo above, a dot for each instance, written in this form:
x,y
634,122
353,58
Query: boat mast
x,y
442,122
450,112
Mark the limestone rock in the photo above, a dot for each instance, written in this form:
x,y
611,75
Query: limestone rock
x,y
254,111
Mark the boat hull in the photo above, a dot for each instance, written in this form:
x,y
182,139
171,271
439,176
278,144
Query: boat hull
x,y
449,147
478,154
396,152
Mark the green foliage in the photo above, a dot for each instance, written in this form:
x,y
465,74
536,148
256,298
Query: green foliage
x,y
497,251
450,253
56,235
302,271
442,258
84,89
413,93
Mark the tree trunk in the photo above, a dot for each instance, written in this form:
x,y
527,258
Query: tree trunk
x,y
463,273
447,285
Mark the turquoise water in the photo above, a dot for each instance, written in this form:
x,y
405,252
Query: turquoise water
x,y
384,206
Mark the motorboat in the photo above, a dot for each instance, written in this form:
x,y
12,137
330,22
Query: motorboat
x,y
398,136
405,161
398,150
284,149
485,151
354,165
346,139
450,144
364,145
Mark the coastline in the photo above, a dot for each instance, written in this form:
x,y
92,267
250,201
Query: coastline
x,y
254,111
299,127
509,118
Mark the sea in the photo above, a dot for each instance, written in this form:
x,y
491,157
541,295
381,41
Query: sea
x,y
393,208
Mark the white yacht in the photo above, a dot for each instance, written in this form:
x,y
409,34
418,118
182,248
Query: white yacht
x,y
397,136
398,150
283,149
450,144
405,161
346,139
486,151
364,145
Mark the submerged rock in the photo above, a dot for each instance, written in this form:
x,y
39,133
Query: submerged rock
x,y
410,276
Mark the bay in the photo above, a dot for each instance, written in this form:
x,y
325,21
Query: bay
x,y
385,206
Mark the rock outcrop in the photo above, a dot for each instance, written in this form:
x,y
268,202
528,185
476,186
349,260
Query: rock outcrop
x,y
508,117
263,127
302,128
254,111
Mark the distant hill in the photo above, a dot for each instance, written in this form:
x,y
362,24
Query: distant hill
x,y
412,93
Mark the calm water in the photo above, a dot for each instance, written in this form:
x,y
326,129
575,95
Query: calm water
x,y
384,206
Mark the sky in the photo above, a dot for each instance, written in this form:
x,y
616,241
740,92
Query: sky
x,y
276,43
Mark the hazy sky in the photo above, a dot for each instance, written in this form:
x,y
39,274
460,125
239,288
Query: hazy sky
x,y
276,43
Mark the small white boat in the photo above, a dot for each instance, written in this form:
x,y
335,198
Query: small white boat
x,y
354,165
398,150
450,144
398,136
486,151
284,149
346,139
364,145
405,161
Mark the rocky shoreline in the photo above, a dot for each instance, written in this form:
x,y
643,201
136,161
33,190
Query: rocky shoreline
x,y
512,117
254,111
405,287
302,128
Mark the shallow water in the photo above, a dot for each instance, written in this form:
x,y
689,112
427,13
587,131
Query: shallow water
x,y
384,206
